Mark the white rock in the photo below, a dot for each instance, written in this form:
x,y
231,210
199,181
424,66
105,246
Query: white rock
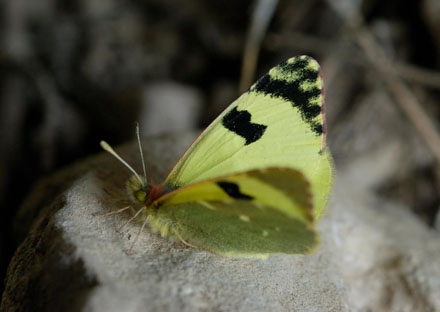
x,y
387,256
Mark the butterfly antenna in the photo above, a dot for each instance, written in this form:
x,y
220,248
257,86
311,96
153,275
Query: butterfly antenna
x,y
142,154
109,149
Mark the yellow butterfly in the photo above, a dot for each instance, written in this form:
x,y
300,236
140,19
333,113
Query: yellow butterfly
x,y
257,179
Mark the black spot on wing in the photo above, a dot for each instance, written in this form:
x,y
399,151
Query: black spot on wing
x,y
291,91
233,190
240,123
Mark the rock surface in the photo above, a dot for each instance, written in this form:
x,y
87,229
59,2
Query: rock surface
x,y
373,256
388,258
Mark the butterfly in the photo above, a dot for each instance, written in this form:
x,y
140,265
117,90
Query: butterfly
x,y
257,179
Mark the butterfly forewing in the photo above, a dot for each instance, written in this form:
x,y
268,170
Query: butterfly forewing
x,y
278,122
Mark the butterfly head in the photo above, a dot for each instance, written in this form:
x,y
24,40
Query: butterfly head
x,y
137,190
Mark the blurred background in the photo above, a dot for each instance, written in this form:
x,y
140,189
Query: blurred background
x,y
75,72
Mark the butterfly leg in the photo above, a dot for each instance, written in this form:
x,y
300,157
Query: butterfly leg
x,y
184,242
111,212
131,219
137,235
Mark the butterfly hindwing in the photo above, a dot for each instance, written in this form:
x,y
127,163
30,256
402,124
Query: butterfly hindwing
x,y
223,228
247,214
278,122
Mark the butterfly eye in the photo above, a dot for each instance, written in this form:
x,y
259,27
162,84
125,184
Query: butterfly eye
x,y
140,195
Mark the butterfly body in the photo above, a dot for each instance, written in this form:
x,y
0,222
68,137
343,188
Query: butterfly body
x,y
257,179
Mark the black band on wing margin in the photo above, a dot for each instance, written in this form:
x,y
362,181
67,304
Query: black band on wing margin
x,y
233,190
240,123
292,92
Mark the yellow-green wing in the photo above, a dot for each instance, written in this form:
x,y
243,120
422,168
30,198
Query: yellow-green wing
x,y
252,213
278,122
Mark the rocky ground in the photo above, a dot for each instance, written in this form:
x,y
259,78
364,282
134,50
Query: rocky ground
x,y
374,256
